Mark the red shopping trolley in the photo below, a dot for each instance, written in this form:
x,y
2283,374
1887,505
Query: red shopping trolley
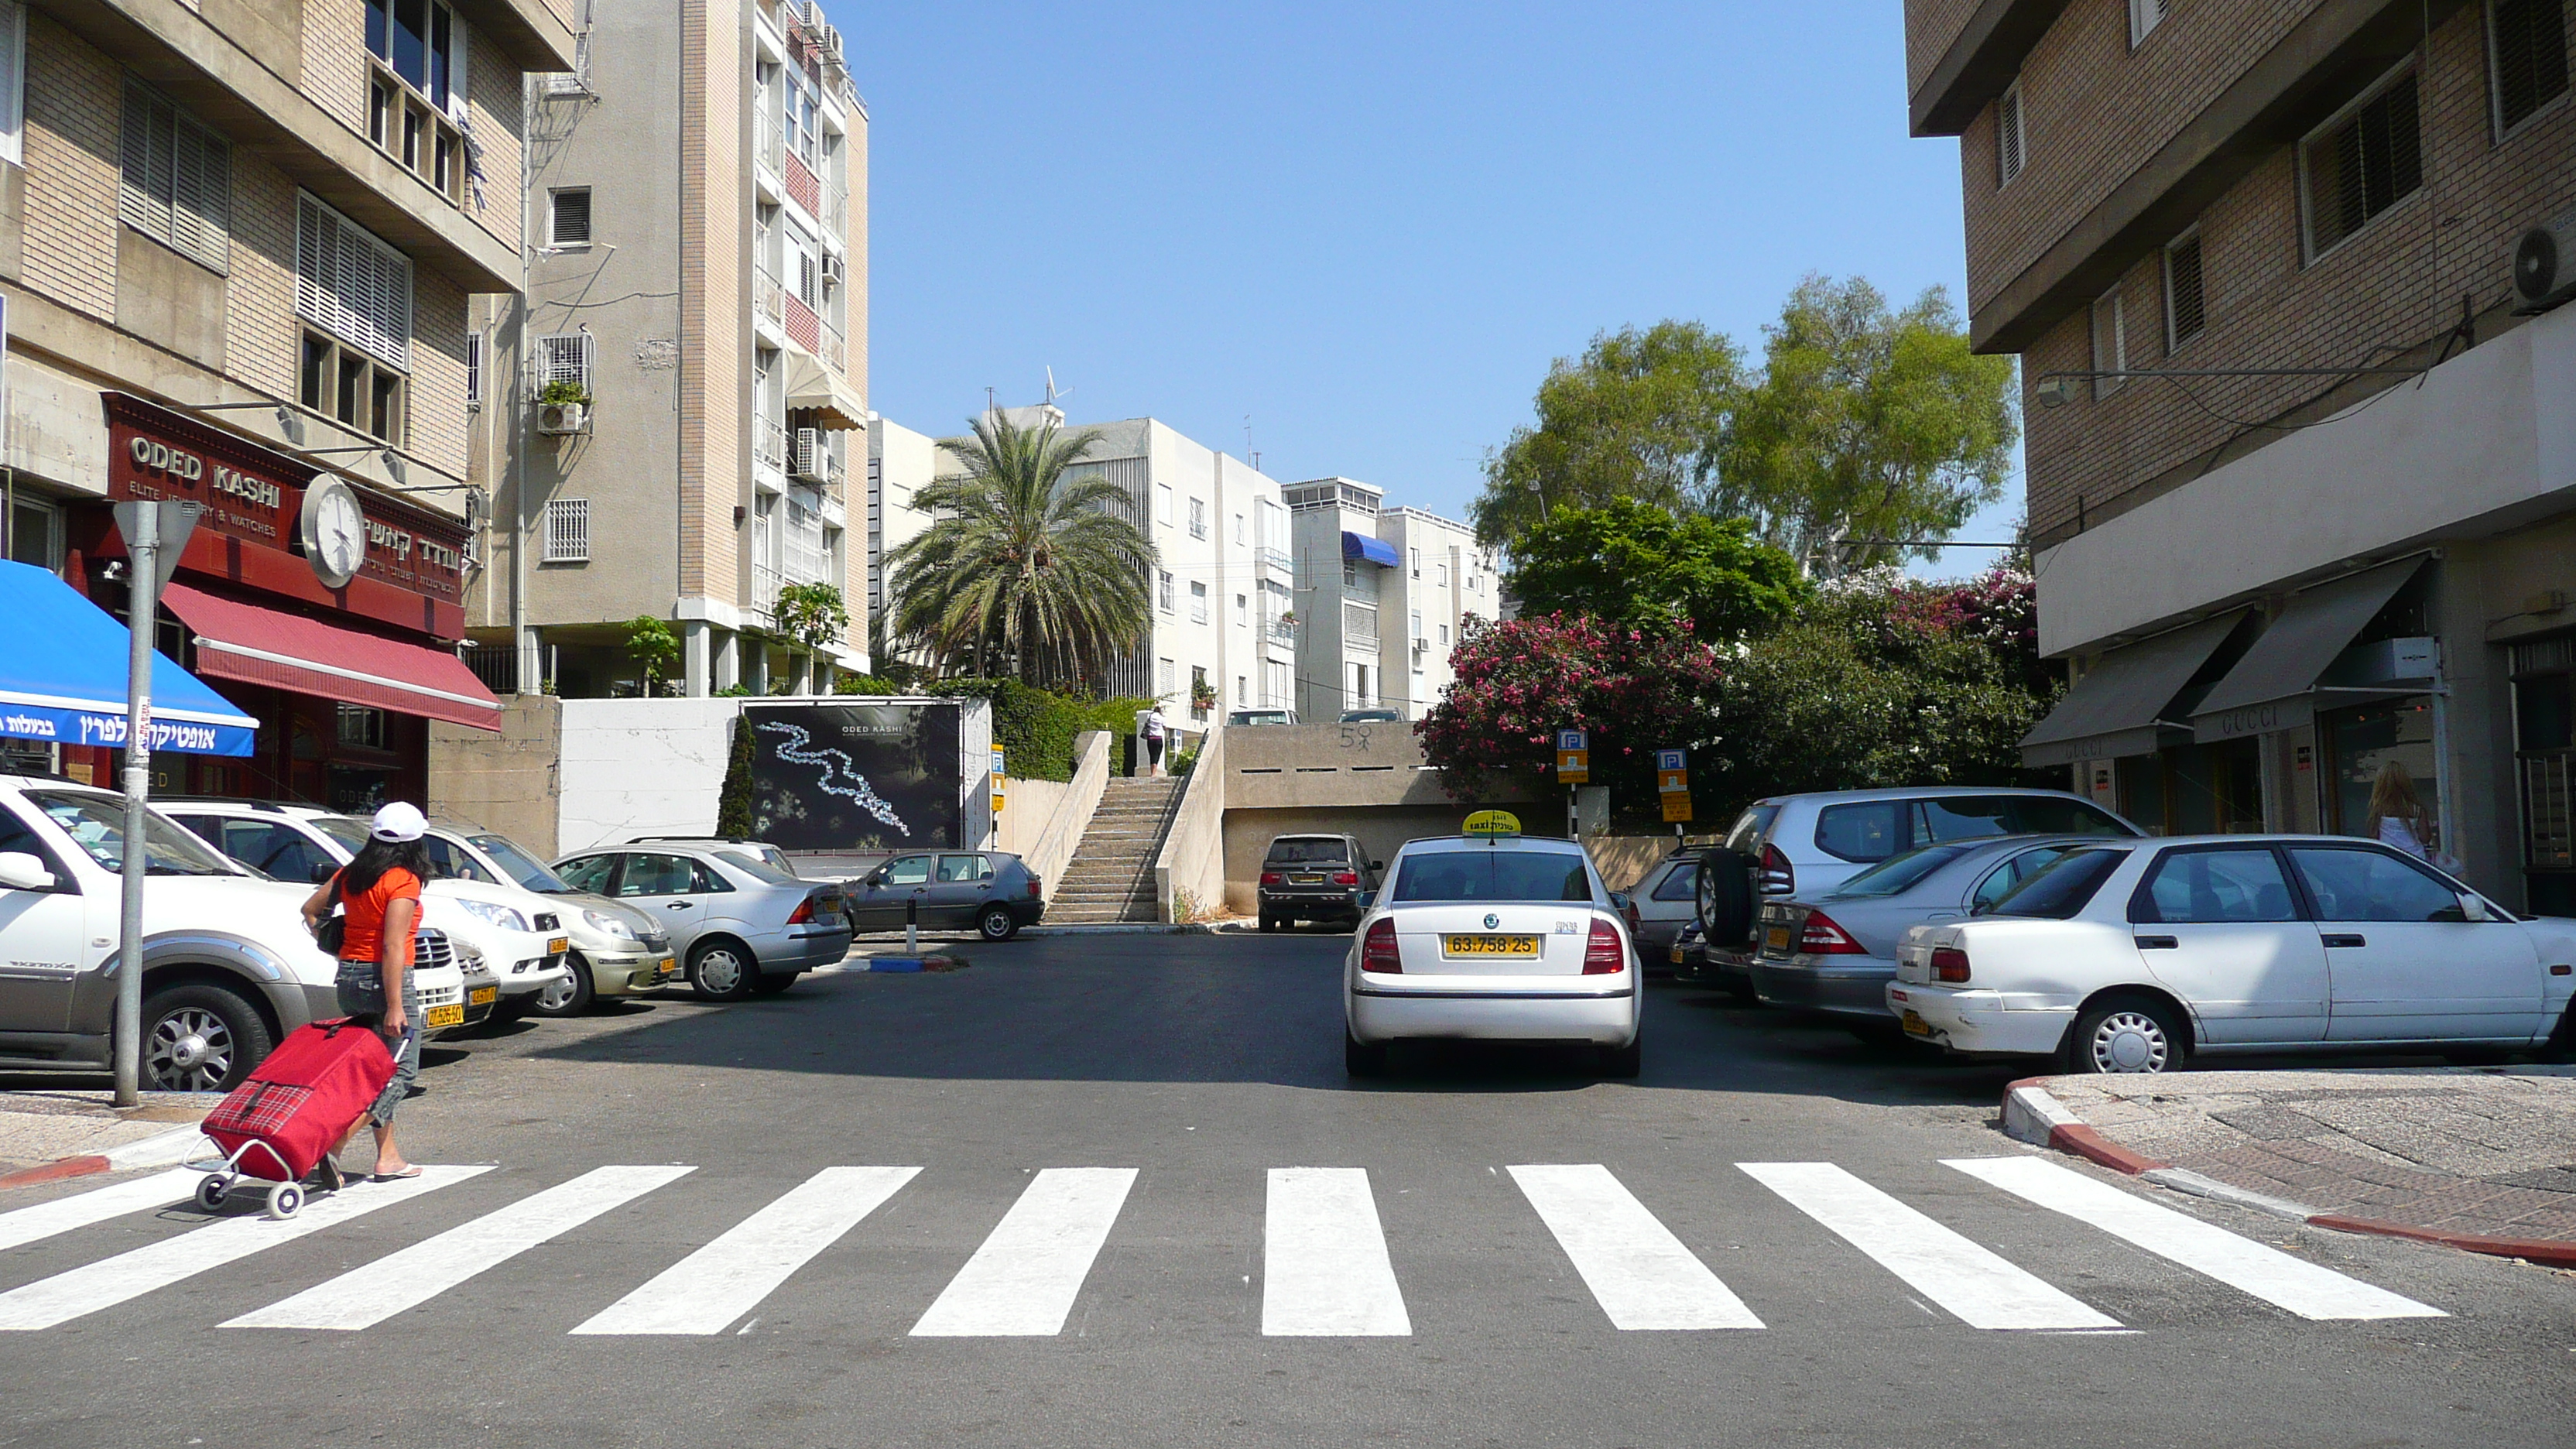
x,y
295,1107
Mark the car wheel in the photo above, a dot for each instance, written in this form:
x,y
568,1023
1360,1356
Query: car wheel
x,y
570,996
769,984
2125,1034
997,923
1269,923
1362,1059
1626,1061
1722,898
722,971
200,1038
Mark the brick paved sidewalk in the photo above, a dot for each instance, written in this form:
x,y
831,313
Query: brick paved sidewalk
x,y
2484,1151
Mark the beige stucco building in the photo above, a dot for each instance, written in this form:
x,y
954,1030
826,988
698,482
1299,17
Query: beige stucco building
x,y
697,204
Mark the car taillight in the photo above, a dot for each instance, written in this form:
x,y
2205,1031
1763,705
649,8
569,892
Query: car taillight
x,y
1823,937
1346,877
1035,886
1378,953
1778,879
1272,877
1950,964
1603,955
803,913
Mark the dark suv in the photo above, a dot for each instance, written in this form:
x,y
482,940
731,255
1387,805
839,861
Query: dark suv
x,y
1315,878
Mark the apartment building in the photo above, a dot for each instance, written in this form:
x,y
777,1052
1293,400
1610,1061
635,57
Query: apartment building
x,y
1220,635
681,397
1384,595
2302,481
239,248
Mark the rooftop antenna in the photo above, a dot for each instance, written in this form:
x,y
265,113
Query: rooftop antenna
x,y
1053,396
1247,443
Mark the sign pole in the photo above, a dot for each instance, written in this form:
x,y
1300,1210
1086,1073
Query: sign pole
x,y
142,526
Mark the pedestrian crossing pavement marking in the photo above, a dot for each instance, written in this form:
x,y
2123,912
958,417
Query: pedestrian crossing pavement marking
x,y
48,1302
1638,1272
408,1277
707,1290
1982,1289
1023,1281
1324,1266
44,1220
2275,1277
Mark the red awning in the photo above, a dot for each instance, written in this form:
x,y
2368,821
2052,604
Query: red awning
x,y
307,656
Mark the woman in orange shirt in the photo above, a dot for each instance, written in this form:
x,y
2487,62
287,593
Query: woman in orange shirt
x,y
378,892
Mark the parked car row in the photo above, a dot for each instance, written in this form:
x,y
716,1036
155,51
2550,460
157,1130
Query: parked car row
x,y
230,968
2033,923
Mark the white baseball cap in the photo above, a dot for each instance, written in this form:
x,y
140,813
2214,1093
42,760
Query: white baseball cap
x,y
398,822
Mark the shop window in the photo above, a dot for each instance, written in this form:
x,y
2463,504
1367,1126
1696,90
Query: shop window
x,y
2544,707
176,182
2526,58
362,726
35,533
416,90
2361,163
2370,742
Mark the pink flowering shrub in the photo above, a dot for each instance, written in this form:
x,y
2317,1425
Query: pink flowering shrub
x,y
1636,690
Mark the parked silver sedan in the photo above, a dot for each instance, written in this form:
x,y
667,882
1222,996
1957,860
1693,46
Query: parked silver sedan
x,y
740,925
1835,952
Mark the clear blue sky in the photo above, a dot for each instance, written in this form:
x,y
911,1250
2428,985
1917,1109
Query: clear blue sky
x,y
1367,229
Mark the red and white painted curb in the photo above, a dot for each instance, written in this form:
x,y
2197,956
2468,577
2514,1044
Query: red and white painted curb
x,y
2032,1115
161,1149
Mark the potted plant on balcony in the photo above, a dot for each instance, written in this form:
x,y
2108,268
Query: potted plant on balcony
x,y
1202,697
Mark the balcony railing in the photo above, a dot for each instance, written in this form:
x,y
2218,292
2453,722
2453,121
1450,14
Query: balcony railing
x,y
835,350
1273,558
767,295
769,442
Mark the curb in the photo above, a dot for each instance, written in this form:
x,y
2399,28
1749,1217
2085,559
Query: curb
x,y
2032,1115
1121,928
161,1149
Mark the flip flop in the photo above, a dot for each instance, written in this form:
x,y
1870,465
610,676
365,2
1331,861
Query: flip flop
x,y
412,1171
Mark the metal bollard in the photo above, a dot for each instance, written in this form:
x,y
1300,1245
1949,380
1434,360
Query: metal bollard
x,y
912,925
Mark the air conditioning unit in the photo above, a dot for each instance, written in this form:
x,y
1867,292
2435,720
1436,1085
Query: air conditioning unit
x,y
563,420
811,459
835,270
2544,264
1421,646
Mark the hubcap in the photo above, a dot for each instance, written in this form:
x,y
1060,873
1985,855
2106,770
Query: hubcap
x,y
997,924
719,971
557,994
190,1050
2130,1041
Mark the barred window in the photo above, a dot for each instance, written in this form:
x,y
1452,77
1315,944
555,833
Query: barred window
x,y
177,184
2361,163
2185,310
2527,51
350,284
567,530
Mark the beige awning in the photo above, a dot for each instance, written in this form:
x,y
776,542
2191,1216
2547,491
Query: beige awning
x,y
815,389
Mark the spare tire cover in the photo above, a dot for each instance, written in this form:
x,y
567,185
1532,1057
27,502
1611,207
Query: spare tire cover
x,y
1725,896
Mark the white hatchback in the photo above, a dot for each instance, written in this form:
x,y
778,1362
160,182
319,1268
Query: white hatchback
x,y
2130,957
1492,938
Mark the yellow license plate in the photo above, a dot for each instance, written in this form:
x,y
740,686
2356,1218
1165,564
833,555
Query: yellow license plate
x,y
452,1014
483,995
666,966
1489,946
558,945
1915,1024
1674,955
1778,936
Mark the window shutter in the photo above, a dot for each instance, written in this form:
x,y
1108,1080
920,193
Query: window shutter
x,y
352,285
143,197
201,193
13,81
2185,310
567,530
2008,136
2529,46
572,217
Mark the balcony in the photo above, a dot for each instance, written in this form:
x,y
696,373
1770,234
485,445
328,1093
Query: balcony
x,y
1274,558
835,350
768,299
769,448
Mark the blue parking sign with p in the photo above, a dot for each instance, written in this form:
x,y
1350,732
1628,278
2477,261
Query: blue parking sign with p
x,y
1571,740
1672,759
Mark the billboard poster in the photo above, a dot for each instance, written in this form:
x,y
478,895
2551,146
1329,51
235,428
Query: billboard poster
x,y
854,777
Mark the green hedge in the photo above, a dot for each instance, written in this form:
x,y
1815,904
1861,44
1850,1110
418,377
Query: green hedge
x,y
1038,727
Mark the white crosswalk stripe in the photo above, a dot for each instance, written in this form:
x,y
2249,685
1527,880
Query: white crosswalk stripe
x,y
1324,1266
719,1283
409,1277
1981,1288
2269,1274
1637,1270
63,1214
1024,1279
110,1281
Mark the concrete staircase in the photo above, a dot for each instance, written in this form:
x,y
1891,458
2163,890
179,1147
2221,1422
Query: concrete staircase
x,y
1111,877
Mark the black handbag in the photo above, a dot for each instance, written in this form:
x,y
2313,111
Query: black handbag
x,y
334,930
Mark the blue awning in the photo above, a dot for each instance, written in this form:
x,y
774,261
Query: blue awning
x,y
1376,550
62,677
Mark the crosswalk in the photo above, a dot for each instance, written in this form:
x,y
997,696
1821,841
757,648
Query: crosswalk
x,y
1326,1264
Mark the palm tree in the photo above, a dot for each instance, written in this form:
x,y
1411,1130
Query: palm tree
x,y
1025,570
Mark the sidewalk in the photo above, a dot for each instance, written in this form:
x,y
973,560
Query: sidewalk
x,y
37,1128
2436,1152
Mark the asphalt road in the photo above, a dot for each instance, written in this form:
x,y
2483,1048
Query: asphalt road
x,y
1202,1064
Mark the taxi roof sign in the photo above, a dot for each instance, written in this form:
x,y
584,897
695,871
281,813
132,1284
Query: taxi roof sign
x,y
1493,825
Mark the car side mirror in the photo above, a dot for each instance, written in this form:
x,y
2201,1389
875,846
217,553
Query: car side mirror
x,y
2473,907
23,872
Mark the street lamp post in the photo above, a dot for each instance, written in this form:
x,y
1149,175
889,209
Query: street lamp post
x,y
154,532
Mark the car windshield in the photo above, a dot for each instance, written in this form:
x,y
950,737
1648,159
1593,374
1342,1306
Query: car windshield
x,y
346,831
2062,887
97,824
520,866
1319,851
1899,873
1492,875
